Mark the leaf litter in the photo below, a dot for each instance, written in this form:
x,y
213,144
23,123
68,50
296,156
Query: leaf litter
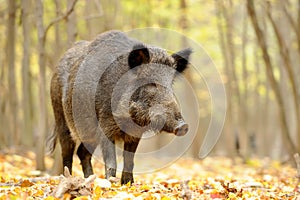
x,y
211,178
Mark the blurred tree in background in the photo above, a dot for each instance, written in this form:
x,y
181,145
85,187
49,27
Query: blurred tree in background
x,y
254,44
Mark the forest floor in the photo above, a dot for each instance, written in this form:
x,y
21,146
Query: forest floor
x,y
211,178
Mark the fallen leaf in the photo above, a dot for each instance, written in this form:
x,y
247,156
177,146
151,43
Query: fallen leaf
x,y
26,183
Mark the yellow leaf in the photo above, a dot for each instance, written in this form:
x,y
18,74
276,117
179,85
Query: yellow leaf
x,y
232,195
166,198
17,190
136,194
3,197
132,188
51,198
145,187
82,198
98,191
13,197
39,193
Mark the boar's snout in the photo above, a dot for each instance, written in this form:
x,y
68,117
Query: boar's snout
x,y
181,129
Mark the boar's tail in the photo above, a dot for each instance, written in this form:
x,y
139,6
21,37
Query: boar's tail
x,y
51,142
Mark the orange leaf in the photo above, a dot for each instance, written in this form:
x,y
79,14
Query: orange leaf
x,y
26,183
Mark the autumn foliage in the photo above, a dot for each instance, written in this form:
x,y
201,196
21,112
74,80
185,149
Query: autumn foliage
x,y
211,178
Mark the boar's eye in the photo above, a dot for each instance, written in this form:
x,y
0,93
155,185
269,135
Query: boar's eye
x,y
182,59
139,55
152,84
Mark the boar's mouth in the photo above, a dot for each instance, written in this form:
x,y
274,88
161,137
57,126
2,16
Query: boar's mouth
x,y
180,130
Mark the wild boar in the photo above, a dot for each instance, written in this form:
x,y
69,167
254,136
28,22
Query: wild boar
x,y
112,88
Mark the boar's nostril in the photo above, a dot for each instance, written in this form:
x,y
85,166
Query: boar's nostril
x,y
181,129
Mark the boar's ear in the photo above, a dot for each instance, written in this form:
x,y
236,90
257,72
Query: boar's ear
x,y
139,55
182,59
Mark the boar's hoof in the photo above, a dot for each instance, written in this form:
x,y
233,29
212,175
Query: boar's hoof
x,y
126,178
181,129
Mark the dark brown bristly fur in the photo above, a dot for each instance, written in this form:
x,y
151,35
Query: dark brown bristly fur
x,y
84,86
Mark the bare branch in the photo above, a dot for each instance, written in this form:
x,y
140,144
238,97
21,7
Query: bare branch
x,y
291,21
99,7
62,17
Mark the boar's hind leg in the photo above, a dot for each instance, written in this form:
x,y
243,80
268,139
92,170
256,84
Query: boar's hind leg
x,y
128,155
109,156
67,145
66,142
85,159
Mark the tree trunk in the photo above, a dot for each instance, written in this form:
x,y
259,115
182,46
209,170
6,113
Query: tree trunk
x,y
12,135
298,30
110,9
249,140
42,124
239,125
285,54
4,130
58,36
42,36
57,167
227,132
88,24
269,71
266,119
298,33
259,121
71,26
183,25
27,135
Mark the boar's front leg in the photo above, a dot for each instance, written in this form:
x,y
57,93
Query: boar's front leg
x,y
109,156
130,147
85,158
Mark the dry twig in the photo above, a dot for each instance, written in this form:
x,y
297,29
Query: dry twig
x,y
186,193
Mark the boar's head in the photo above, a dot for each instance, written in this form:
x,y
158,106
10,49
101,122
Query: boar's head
x,y
153,103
